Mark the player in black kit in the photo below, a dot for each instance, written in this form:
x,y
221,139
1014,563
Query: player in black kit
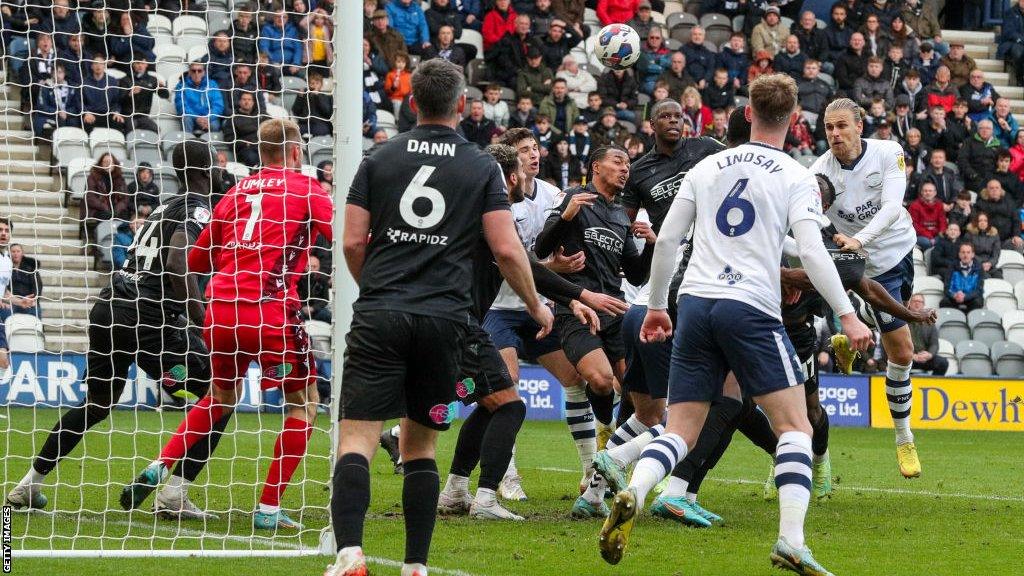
x,y
425,195
144,317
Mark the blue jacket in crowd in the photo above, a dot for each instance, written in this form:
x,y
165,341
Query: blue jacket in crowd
x,y
122,240
409,21
966,280
1012,30
203,99
138,46
1007,138
281,46
101,96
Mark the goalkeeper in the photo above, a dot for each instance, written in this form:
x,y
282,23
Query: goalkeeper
x,y
143,318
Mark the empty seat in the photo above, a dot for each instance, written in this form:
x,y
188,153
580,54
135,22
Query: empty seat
x,y
473,38
159,25
319,149
931,288
1012,265
188,24
986,326
144,146
78,174
169,53
1001,302
319,338
70,143
946,349
974,358
290,89
198,52
103,140
718,27
165,115
1013,326
166,181
1008,358
997,285
385,118
25,333
952,325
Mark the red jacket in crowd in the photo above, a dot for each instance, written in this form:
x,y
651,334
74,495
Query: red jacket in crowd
x,y
496,25
929,218
616,11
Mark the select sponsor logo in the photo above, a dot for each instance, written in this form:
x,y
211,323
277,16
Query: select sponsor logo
x,y
603,238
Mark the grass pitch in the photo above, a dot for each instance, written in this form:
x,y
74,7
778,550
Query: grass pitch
x,y
965,514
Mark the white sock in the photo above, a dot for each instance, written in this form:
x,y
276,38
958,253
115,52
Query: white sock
x,y
656,462
414,570
350,551
899,392
793,478
627,431
580,417
456,484
484,497
32,479
512,470
396,430
268,509
676,488
626,454
596,489
691,497
177,483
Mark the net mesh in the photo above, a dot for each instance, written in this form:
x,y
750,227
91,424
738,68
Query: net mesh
x,y
125,83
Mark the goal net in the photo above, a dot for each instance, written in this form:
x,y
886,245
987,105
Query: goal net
x,y
95,99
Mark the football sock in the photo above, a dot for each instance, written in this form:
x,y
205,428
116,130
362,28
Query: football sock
x,y
32,478
498,444
656,461
350,499
580,418
793,479
456,483
288,452
819,441
198,454
626,454
755,426
899,392
396,430
66,435
713,441
468,444
602,406
676,488
595,489
175,482
485,497
626,431
419,505
196,424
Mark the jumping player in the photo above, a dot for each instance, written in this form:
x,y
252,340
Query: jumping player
x,y
148,315
750,196
257,243
427,195
870,180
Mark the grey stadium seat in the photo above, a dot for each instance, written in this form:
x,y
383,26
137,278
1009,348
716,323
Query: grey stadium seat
x,y
974,358
1009,359
952,325
986,326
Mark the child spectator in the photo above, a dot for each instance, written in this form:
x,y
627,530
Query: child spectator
x,y
26,282
545,134
719,93
799,140
962,212
561,167
398,83
244,33
695,113
494,107
734,59
524,115
928,216
964,282
143,192
762,65
578,141
319,50
313,108
946,250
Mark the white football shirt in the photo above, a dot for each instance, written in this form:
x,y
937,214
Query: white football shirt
x,y
530,215
869,202
746,200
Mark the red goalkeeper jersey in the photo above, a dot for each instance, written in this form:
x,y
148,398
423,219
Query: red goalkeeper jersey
x,y
259,238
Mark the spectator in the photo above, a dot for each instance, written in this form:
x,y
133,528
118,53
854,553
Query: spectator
x,y
618,90
923,23
325,175
541,16
556,44
94,30
476,127
895,67
219,59
443,13
143,193
719,94
790,60
876,39
26,282
38,69
925,338
654,59
960,122
980,96
1011,40
799,141
319,49
495,108
398,83
499,22
813,41
561,167
375,69
838,31
593,110
60,23
964,282
1017,156
579,142
199,101
279,40
545,134
928,216
734,59
559,107
59,104
959,63
947,183
963,210
883,131
244,35
984,239
883,10
935,134
873,85
916,151
506,57
407,17
1002,213
242,130
719,126
769,35
1004,125
101,98
524,115
942,92
616,11
762,66
947,249
927,64
313,108
696,115
77,62
535,79
314,291
471,13
608,130
676,78
223,177
977,158
903,121
123,238
447,49
852,64
812,91
642,22
241,81
912,89
369,117
128,41
105,196
578,81
1011,184
700,61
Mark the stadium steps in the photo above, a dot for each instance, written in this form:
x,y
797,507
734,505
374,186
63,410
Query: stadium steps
x,y
66,311
28,199
28,182
18,153
90,279
982,47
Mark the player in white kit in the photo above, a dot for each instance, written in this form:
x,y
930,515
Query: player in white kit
x,y
870,179
741,202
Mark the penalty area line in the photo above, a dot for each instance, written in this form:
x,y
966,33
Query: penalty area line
x,y
847,488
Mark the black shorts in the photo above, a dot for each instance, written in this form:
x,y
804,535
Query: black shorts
x,y
647,363
167,350
402,365
483,370
805,342
577,341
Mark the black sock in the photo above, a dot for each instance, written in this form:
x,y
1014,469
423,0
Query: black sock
x,y
66,435
350,499
602,407
626,409
719,426
755,426
471,436
500,438
198,454
419,504
819,441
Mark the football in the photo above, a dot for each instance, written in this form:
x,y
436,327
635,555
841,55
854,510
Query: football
x,y
618,46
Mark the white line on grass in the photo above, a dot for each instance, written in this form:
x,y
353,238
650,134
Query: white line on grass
x,y
844,487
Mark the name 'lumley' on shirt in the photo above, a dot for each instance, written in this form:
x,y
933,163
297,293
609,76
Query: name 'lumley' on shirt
x,y
757,159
